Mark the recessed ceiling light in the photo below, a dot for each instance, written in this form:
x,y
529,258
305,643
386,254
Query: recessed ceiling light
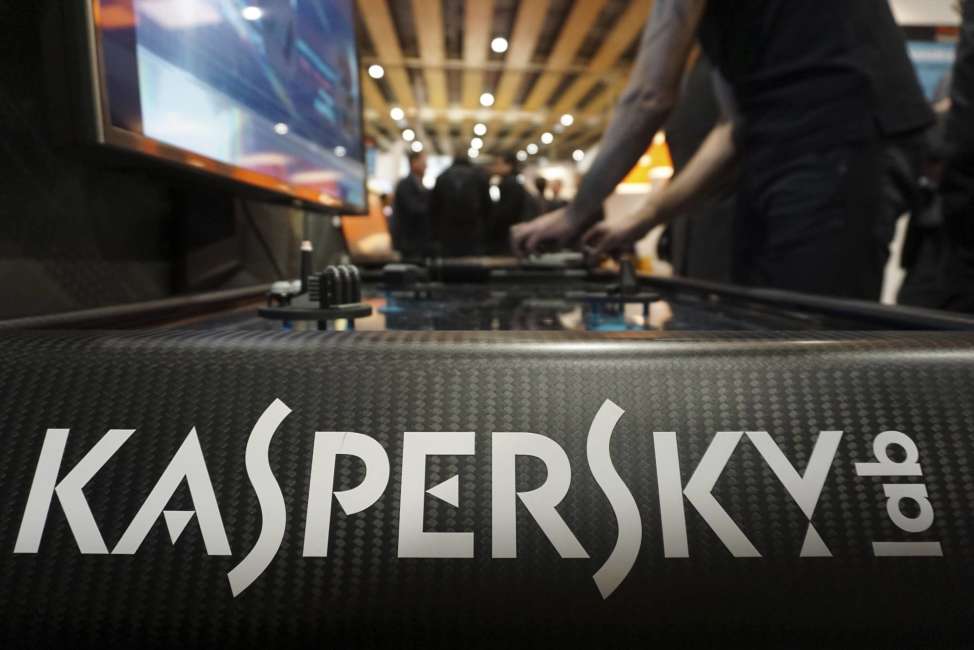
x,y
476,143
499,45
416,146
397,113
252,13
473,153
532,148
340,151
486,100
578,155
281,128
522,155
567,119
547,138
376,71
408,135
480,129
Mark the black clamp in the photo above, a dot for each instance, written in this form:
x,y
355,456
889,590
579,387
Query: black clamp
x,y
334,294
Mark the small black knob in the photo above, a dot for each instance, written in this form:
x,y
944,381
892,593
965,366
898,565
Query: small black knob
x,y
336,285
326,287
345,285
355,285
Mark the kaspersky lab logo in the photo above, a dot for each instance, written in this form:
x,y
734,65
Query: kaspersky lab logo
x,y
414,542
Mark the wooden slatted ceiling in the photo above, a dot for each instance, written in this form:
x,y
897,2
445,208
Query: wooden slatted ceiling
x,y
575,30
478,16
432,51
627,29
573,33
378,22
523,41
376,103
520,75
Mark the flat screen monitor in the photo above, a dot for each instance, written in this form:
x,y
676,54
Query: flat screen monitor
x,y
263,92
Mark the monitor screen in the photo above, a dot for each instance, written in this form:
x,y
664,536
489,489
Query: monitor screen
x,y
265,92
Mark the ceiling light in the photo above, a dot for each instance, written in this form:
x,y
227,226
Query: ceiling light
x,y
476,143
252,13
397,114
499,45
522,155
281,128
547,138
340,151
416,146
408,135
480,129
578,155
567,119
376,71
532,148
473,153
486,100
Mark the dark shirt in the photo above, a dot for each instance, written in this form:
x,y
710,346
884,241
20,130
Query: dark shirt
x,y
794,70
514,206
411,218
896,98
957,186
460,211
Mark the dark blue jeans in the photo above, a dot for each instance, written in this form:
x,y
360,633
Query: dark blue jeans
x,y
811,222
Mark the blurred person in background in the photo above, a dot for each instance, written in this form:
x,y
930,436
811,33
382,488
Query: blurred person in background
x,y
460,210
556,202
513,206
411,211
805,122
541,201
957,184
901,112
926,246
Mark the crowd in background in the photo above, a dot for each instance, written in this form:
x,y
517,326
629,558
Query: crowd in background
x,y
470,209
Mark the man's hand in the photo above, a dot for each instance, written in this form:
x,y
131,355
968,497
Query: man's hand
x,y
553,230
607,237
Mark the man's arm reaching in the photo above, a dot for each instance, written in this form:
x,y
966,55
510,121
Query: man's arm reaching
x,y
643,108
712,164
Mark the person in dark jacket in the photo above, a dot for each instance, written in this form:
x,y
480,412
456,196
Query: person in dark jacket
x,y
957,185
460,210
901,113
514,205
411,211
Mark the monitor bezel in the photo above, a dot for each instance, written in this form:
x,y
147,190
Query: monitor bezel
x,y
110,136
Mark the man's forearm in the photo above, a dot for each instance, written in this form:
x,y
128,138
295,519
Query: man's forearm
x,y
712,166
624,142
645,105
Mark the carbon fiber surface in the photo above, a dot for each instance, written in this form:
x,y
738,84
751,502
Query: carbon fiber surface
x,y
384,384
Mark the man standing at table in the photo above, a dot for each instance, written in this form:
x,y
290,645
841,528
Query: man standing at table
x,y
411,211
800,134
